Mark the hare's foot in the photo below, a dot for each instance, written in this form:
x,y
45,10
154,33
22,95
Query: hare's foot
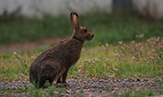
x,y
61,85
58,85
66,85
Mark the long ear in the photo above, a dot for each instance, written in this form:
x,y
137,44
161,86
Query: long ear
x,y
74,19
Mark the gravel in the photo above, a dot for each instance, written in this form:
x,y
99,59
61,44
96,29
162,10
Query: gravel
x,y
90,87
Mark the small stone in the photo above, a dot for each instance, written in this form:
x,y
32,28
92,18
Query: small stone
x,y
123,82
105,79
142,80
103,92
55,92
77,91
87,94
101,80
113,91
138,79
68,91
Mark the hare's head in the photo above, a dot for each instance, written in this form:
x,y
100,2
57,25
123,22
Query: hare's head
x,y
80,32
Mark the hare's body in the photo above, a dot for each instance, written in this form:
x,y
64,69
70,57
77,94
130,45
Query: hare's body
x,y
54,63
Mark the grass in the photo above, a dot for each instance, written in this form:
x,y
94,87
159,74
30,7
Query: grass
x,y
20,30
113,61
133,60
122,48
36,92
108,28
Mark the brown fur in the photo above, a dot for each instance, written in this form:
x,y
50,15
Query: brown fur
x,y
54,63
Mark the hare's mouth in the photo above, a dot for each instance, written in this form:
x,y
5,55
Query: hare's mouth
x,y
90,38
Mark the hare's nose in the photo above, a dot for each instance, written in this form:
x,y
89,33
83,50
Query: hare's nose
x,y
92,35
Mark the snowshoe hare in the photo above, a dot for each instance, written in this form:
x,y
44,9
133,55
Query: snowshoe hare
x,y
54,63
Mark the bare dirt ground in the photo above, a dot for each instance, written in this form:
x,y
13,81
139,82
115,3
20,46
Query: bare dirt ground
x,y
30,45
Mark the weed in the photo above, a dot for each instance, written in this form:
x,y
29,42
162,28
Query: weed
x,y
14,91
79,94
50,91
126,93
107,88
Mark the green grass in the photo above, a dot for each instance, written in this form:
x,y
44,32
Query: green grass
x,y
133,60
127,59
99,62
20,30
108,28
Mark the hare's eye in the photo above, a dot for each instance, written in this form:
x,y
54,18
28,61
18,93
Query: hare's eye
x,y
85,30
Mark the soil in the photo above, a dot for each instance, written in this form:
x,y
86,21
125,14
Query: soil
x,y
90,87
30,45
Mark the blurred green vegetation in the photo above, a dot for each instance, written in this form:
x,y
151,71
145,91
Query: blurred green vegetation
x,y
108,28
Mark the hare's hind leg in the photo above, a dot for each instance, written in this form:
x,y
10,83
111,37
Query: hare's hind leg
x,y
58,76
64,76
59,80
